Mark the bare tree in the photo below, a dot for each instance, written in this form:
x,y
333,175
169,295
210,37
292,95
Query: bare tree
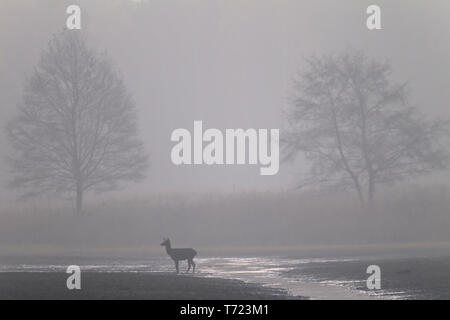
x,y
76,129
357,128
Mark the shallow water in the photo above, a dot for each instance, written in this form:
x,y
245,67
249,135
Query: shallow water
x,y
336,278
401,278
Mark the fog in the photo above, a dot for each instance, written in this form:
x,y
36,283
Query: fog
x,y
231,65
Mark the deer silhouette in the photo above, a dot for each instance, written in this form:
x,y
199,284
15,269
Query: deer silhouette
x,y
179,254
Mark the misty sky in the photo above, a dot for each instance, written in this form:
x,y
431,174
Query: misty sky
x,y
228,63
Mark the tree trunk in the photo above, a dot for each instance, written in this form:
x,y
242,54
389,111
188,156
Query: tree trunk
x,y
360,194
370,192
79,200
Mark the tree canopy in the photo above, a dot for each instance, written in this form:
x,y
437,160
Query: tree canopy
x,y
76,128
357,128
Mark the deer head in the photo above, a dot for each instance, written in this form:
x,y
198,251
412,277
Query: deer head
x,y
166,242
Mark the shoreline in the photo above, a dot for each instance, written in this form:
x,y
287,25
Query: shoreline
x,y
42,250
133,285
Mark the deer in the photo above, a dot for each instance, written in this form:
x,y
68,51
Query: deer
x,y
179,254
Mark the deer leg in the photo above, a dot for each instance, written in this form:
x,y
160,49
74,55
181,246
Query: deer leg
x,y
176,265
193,265
189,266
